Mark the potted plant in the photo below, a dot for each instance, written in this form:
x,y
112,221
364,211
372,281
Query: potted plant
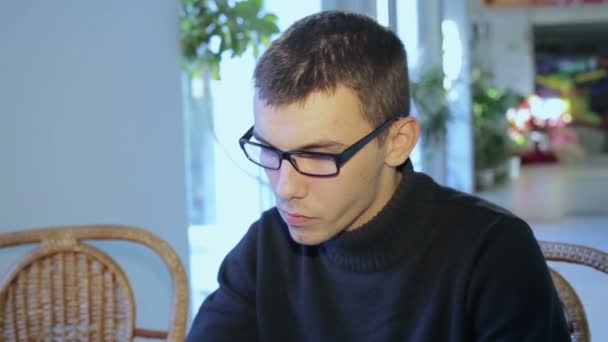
x,y
493,147
211,28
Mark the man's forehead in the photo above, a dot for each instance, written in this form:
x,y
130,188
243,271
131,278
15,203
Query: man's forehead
x,y
322,119
293,132
289,131
300,140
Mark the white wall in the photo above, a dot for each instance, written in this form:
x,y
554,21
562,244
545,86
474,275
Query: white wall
x,y
509,44
91,128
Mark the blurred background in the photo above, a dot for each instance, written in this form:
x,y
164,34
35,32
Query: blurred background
x,y
129,112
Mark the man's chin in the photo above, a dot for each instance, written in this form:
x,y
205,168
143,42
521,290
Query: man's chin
x,y
306,236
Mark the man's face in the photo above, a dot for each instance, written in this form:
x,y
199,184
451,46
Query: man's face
x,y
316,209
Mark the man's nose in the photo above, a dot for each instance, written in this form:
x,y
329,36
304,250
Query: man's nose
x,y
290,183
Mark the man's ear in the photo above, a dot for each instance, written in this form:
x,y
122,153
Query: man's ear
x,y
401,140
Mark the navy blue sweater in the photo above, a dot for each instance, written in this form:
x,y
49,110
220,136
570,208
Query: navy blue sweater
x,y
434,265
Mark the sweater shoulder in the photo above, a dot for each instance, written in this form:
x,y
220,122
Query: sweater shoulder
x,y
464,217
457,207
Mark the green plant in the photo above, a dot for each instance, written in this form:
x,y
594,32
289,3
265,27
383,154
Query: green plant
x,y
211,28
430,98
490,128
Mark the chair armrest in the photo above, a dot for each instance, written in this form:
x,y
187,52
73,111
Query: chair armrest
x,y
148,333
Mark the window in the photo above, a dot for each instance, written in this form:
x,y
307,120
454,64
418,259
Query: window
x,y
227,192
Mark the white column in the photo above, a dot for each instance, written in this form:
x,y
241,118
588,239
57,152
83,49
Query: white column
x,y
430,56
456,62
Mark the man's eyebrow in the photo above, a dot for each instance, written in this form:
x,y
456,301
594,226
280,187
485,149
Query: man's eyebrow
x,y
321,144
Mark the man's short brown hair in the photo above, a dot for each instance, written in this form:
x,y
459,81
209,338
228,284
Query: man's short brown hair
x,y
332,48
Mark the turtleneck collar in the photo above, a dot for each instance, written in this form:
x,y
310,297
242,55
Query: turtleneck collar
x,y
384,239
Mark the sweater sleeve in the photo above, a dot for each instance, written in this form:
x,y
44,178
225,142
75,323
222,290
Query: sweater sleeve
x,y
228,314
511,294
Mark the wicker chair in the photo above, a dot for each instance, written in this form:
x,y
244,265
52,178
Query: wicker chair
x,y
573,308
68,290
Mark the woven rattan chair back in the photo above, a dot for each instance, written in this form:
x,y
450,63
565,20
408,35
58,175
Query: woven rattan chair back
x,y
68,290
573,307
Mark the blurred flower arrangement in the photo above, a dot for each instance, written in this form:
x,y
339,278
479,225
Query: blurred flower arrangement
x,y
540,127
569,94
539,130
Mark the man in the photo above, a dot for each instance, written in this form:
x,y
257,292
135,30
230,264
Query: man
x,y
359,246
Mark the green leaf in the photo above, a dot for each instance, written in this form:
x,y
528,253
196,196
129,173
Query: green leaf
x,y
224,44
265,39
247,9
214,70
270,18
258,4
239,25
221,5
186,24
197,70
256,50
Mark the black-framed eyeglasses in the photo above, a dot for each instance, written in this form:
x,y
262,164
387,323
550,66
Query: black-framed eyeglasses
x,y
315,164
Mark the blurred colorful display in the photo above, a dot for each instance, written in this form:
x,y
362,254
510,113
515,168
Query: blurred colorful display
x,y
570,92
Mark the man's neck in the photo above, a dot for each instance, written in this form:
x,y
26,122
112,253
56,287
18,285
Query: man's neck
x,y
389,183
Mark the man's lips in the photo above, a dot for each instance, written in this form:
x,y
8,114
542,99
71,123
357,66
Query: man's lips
x,y
295,219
